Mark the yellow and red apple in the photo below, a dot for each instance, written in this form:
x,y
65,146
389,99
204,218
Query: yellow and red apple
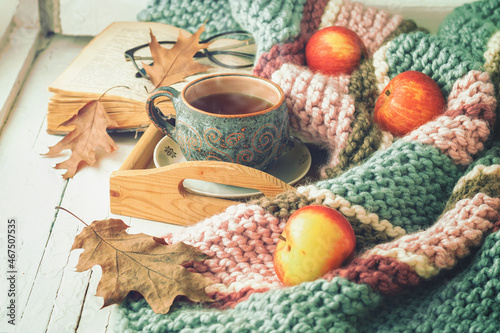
x,y
334,50
410,100
315,240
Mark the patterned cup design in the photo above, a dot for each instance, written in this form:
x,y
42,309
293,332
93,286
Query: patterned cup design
x,y
253,139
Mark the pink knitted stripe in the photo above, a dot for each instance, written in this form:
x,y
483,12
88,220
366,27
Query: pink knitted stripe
x,y
321,109
459,138
241,242
230,300
496,228
387,275
313,11
372,25
292,52
454,234
473,95
463,128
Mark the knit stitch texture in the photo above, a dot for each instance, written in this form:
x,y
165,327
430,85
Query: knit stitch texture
x,y
425,207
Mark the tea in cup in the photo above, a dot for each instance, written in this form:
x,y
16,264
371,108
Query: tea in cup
x,y
237,118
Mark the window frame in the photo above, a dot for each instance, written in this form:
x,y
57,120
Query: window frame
x,y
20,41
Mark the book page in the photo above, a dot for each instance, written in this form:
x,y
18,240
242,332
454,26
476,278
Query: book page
x,y
101,64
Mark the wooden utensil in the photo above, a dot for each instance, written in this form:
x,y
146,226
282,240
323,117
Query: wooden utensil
x,y
158,193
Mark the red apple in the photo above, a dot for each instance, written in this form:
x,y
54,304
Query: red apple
x,y
334,50
410,100
315,240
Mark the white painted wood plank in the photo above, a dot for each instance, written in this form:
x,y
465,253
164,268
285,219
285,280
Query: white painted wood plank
x,y
93,318
31,187
53,293
87,196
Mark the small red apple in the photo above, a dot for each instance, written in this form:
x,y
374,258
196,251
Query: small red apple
x,y
315,240
334,50
410,100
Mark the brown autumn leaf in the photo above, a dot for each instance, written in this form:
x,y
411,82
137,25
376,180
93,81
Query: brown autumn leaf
x,y
139,263
89,133
174,65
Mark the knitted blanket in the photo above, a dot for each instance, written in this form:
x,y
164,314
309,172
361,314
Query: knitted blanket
x,y
425,208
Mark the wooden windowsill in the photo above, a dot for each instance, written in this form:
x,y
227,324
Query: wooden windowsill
x,y
51,295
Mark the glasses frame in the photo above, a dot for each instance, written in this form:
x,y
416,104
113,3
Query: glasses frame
x,y
129,54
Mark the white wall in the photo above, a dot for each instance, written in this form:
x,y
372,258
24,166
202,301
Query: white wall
x,y
427,13
7,11
89,17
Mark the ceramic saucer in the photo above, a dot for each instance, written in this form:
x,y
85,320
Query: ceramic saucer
x,y
291,167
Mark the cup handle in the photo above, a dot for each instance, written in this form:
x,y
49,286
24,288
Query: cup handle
x,y
155,115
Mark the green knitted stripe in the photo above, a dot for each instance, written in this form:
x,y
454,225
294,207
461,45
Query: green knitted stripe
x,y
444,62
366,136
407,184
284,204
366,236
487,184
287,203
480,182
308,307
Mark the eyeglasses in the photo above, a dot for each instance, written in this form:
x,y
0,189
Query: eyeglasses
x,y
234,49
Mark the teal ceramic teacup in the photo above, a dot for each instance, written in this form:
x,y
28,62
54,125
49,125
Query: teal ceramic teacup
x,y
238,118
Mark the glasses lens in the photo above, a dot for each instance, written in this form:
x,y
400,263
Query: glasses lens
x,y
143,55
231,50
234,50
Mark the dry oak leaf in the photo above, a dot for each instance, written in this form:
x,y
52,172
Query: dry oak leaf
x,y
141,263
174,65
89,133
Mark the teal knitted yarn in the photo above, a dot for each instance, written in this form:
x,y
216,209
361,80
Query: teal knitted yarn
x,y
270,21
190,15
458,48
470,26
443,61
406,184
319,306
463,299
469,301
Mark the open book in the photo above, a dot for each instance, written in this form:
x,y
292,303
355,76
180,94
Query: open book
x,y
101,65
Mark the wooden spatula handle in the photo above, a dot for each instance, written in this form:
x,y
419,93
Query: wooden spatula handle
x,y
158,194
